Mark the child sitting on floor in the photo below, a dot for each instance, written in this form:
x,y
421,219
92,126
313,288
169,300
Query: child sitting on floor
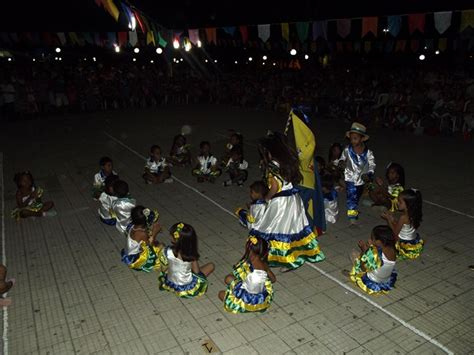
x,y
122,206
207,169
249,287
409,244
143,252
386,194
106,169
236,167
29,198
5,286
235,141
156,168
180,154
106,199
184,276
374,269
256,209
331,209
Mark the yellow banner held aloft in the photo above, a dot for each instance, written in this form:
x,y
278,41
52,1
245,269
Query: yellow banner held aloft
x,y
305,145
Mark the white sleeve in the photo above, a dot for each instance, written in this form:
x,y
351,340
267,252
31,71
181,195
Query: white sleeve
x,y
371,161
344,155
97,180
148,164
213,160
244,165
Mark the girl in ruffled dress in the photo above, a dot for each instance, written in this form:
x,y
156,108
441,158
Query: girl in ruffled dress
x,y
386,193
249,288
180,154
184,276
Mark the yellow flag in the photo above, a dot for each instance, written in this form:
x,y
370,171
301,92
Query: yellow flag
x,y
285,31
150,37
467,19
112,9
305,145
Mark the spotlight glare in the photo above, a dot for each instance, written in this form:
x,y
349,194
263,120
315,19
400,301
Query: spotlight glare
x,y
250,59
264,57
306,56
293,52
117,49
215,60
58,50
199,43
176,44
34,60
134,59
9,59
85,59
274,64
181,59
421,57
151,61
206,60
236,62
263,63
60,58
93,58
437,52
159,50
136,50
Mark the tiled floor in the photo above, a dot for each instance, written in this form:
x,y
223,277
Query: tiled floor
x,y
73,295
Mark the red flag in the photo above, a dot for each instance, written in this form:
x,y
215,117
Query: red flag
x,y
245,34
416,22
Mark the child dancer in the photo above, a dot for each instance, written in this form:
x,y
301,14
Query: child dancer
x,y
207,169
106,200
236,167
284,224
143,252
180,154
122,206
247,218
331,209
409,244
249,288
235,141
374,270
359,167
387,194
28,198
184,277
156,168
106,169
5,286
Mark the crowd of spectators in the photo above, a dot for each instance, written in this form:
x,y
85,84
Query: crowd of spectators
x,y
413,98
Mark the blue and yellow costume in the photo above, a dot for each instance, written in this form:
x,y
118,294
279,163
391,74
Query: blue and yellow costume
x,y
285,227
106,213
409,244
34,205
373,272
248,217
250,291
180,279
99,182
140,255
394,190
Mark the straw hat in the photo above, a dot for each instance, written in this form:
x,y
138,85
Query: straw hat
x,y
359,129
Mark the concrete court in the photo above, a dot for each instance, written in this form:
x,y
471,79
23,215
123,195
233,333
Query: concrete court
x,y
73,294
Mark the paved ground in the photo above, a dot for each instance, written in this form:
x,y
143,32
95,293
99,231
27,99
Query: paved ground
x,y
75,296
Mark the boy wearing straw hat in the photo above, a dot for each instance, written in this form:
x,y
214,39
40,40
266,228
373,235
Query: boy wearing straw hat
x,y
359,167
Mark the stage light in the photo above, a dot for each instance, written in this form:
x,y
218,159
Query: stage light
x,y
159,50
199,43
181,59
263,63
60,58
236,62
187,46
134,59
206,60
117,48
306,56
264,57
250,59
34,60
55,58
9,59
133,23
274,64
293,52
425,47
215,60
385,30
58,50
176,44
136,50
437,52
421,57
94,59
85,59
151,61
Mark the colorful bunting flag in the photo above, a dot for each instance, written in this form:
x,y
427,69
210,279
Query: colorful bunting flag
x,y
122,39
401,45
264,32
302,28
467,20
193,36
442,44
343,27
132,38
229,30
62,38
442,21
244,33
394,25
150,38
414,45
211,35
161,41
320,29
416,22
367,46
285,32
369,24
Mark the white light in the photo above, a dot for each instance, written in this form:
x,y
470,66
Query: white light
x,y
274,63
437,52
34,60
176,44
293,52
215,60
60,58
187,47
55,58
85,59
9,59
133,23
425,47
199,43
421,57
206,60
117,48
306,56
58,50
264,57
250,59
236,62
385,30
93,58
263,63
134,59
181,59
151,61
136,50
159,50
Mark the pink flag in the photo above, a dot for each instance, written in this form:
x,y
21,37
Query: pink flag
x,y
343,27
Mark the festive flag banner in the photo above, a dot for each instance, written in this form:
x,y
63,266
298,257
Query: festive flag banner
x,y
122,38
416,22
343,27
211,35
150,38
132,38
442,21
389,46
467,20
394,25
320,29
302,28
229,30
414,45
62,38
401,45
244,33
264,32
339,46
193,36
285,31
161,41
442,44
369,24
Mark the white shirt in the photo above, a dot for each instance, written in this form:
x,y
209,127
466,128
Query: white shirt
x,y
105,207
357,165
205,163
408,232
255,281
156,166
122,208
242,166
133,247
179,271
99,178
383,273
